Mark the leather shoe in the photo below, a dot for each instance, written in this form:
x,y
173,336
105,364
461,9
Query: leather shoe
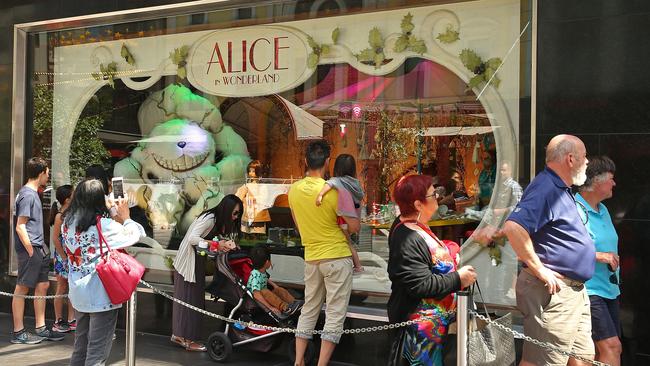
x,y
195,346
178,340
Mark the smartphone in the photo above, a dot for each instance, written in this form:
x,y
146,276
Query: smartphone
x,y
118,187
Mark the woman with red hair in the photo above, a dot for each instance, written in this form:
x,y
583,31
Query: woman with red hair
x,y
423,272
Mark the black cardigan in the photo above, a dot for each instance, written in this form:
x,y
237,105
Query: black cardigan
x,y
409,269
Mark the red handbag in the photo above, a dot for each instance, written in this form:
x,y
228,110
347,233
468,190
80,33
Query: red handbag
x,y
118,271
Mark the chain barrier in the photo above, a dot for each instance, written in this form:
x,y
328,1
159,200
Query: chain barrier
x,y
251,324
44,297
548,346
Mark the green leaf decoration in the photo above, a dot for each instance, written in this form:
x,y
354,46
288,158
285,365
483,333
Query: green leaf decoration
x,y
484,71
475,81
311,42
179,57
375,39
126,54
493,63
401,44
379,59
470,59
417,45
312,60
450,35
407,23
335,35
106,73
407,41
320,49
375,53
367,55
324,49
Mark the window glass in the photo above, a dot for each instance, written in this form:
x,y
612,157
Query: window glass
x,y
190,108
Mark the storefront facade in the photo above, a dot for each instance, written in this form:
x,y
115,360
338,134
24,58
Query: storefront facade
x,y
179,100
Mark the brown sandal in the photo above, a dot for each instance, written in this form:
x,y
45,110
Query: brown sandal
x,y
179,341
195,346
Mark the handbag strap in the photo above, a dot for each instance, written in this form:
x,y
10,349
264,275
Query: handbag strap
x,y
476,286
101,237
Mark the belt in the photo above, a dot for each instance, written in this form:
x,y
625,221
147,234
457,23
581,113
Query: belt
x,y
568,281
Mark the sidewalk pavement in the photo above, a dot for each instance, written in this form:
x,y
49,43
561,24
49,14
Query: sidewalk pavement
x,y
150,350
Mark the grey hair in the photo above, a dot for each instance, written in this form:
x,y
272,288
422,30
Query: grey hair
x,y
593,181
562,149
597,170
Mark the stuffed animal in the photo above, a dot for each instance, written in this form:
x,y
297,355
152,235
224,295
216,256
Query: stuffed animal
x,y
184,134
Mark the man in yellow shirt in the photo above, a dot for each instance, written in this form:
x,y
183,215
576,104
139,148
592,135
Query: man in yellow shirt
x,y
328,260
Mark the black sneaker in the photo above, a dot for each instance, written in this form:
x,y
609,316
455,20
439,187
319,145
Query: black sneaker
x,y
25,337
61,326
294,307
49,335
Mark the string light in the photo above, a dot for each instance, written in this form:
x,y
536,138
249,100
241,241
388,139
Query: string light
x,y
126,73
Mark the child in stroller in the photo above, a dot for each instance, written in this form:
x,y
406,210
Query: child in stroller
x,y
232,272
278,299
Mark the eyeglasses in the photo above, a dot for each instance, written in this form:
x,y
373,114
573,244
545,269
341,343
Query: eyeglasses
x,y
430,195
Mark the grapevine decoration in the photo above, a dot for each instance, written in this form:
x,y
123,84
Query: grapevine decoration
x,y
126,54
106,73
449,36
178,58
320,49
373,55
407,41
483,70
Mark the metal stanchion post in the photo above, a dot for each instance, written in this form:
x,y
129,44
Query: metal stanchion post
x,y
131,309
462,320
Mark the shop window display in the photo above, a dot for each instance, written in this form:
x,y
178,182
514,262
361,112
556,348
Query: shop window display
x,y
181,116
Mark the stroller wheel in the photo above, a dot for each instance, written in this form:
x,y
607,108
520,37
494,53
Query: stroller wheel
x,y
219,346
310,352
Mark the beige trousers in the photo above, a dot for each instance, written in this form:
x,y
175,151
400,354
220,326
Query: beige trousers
x,y
329,281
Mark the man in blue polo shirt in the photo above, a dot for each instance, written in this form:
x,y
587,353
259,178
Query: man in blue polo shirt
x,y
549,237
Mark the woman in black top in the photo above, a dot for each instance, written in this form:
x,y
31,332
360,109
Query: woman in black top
x,y
422,269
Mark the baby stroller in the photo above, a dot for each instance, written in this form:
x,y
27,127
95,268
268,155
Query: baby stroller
x,y
232,270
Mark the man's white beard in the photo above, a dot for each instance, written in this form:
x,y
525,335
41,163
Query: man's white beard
x,y
580,177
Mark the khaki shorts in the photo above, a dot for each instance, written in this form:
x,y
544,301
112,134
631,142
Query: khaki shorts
x,y
563,319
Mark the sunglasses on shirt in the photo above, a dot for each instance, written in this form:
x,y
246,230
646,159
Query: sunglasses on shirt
x,y
613,279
